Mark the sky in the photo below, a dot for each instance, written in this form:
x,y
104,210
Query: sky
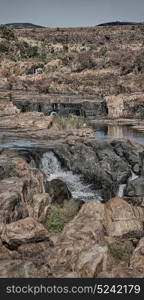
x,y
70,13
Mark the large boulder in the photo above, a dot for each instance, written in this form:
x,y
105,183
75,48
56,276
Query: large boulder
x,y
21,190
12,165
58,191
135,187
6,167
91,261
24,231
81,247
137,259
134,191
8,108
33,178
95,241
122,218
12,205
41,204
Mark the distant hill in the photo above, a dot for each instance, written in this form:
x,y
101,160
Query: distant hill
x,y
116,23
23,25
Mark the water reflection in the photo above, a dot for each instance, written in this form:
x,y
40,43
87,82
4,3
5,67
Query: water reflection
x,y
118,131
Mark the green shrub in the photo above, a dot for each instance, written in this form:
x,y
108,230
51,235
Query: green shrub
x,y
7,32
54,222
32,51
121,251
59,216
4,47
43,55
102,52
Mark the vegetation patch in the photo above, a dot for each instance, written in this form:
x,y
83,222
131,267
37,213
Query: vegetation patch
x,y
32,51
70,122
60,216
94,60
4,47
102,52
83,61
121,251
7,33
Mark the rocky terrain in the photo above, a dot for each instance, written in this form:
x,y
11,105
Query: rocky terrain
x,y
99,238
71,205
102,240
105,62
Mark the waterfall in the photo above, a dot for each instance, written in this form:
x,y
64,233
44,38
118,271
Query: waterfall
x,y
133,176
32,163
51,167
121,188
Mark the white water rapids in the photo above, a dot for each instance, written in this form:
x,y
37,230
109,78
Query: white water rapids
x,y
51,167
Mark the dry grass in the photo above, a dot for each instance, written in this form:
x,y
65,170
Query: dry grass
x,y
77,51
66,123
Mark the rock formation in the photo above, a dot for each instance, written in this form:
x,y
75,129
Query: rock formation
x,y
103,239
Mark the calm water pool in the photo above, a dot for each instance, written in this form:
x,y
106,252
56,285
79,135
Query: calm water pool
x,y
105,132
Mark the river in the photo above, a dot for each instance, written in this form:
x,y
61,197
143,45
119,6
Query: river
x,y
11,139
52,168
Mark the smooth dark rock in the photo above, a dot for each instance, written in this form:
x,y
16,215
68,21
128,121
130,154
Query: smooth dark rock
x,y
99,164
135,187
58,191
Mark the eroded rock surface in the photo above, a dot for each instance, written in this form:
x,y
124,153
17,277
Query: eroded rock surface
x,y
26,120
24,231
8,108
23,269
137,259
40,204
106,164
84,249
122,218
12,204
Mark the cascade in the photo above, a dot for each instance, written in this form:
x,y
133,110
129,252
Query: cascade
x,y
51,167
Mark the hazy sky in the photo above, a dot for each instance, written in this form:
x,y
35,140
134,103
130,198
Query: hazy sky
x,y
67,13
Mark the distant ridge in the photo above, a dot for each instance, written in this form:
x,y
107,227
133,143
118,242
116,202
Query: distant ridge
x,y
116,23
23,25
